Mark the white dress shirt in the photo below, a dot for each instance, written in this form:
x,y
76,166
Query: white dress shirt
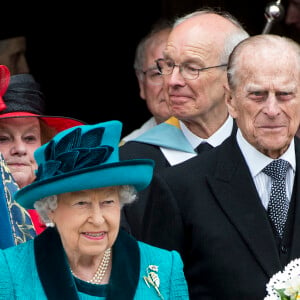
x,y
175,157
257,161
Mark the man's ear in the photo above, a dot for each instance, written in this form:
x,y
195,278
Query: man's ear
x,y
141,79
229,101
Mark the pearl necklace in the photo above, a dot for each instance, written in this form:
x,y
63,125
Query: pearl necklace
x,y
102,268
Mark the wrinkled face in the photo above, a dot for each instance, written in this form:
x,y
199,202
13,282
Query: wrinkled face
x,y
87,221
266,102
151,91
19,138
195,45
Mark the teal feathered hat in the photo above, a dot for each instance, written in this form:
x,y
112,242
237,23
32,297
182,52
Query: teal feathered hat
x,y
84,157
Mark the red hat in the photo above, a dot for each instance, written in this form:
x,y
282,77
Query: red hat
x,y
24,98
4,81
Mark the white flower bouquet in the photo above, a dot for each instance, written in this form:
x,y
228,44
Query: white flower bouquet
x,y
285,285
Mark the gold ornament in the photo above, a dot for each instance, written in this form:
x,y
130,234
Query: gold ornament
x,y
153,279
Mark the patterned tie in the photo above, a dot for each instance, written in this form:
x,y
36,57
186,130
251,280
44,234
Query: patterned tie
x,y
278,205
204,146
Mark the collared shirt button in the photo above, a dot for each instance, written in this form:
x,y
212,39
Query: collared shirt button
x,y
283,249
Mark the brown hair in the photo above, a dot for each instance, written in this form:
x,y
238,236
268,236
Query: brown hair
x,y
47,132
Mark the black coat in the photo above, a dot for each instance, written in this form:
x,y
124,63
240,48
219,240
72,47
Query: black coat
x,y
132,215
209,210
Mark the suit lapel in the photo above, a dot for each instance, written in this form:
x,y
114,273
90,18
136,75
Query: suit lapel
x,y
235,192
295,251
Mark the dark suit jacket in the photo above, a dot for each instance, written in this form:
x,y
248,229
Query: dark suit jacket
x,y
132,215
209,210
134,150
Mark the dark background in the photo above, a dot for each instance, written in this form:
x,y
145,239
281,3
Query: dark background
x,y
82,54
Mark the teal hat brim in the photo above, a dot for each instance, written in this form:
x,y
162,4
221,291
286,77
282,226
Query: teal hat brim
x,y
137,172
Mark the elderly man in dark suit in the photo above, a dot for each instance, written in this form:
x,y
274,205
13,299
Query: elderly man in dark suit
x,y
234,218
194,75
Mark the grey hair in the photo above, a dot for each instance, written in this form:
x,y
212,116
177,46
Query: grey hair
x,y
233,37
266,41
44,206
128,194
140,52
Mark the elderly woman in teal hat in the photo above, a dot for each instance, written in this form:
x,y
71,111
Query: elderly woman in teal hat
x,y
79,190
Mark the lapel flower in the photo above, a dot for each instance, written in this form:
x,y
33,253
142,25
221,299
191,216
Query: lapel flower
x,y
285,285
152,279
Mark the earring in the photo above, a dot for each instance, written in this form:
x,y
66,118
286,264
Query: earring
x,y
50,224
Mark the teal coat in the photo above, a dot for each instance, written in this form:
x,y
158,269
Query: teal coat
x,y
38,269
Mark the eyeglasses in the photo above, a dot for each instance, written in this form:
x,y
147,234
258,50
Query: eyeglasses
x,y
153,75
187,70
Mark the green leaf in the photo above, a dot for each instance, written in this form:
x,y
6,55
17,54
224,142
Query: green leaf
x,y
282,295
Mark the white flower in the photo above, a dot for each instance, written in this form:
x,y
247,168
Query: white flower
x,y
286,283
292,286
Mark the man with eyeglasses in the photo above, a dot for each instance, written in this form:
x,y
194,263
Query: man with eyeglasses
x,y
149,78
193,68
233,213
188,70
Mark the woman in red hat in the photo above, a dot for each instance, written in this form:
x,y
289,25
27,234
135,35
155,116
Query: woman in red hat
x,y
24,127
